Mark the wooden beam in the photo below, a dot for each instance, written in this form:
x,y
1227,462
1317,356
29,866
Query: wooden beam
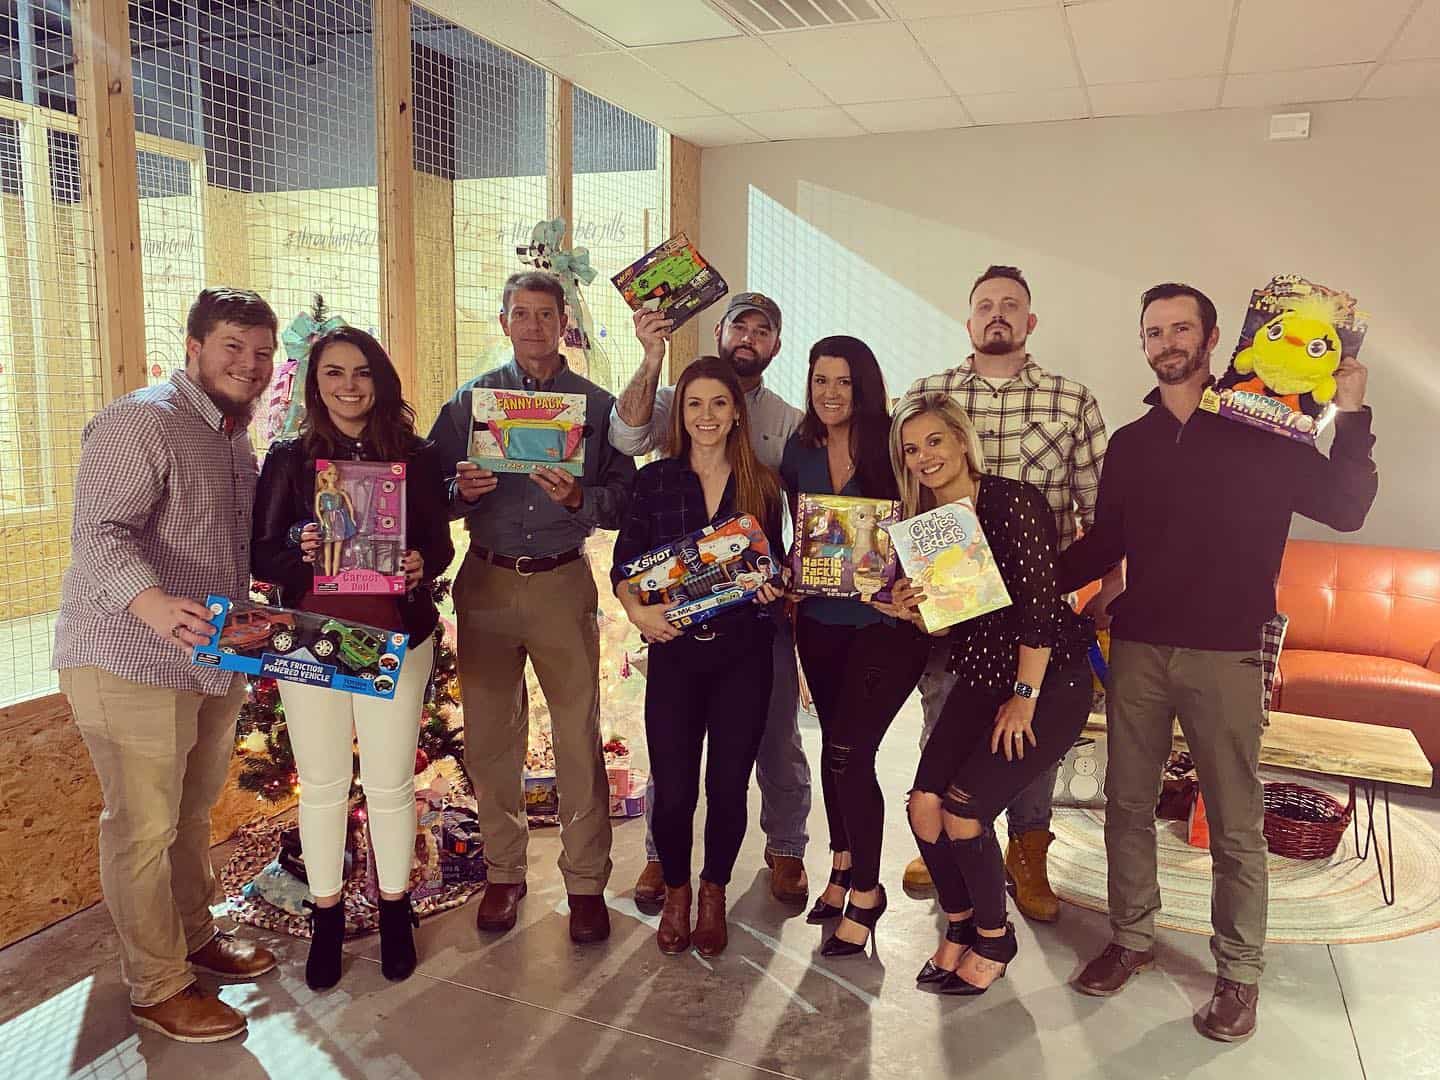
x,y
106,114
561,201
684,217
395,146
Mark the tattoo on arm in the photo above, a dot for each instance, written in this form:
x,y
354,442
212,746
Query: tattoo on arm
x,y
637,403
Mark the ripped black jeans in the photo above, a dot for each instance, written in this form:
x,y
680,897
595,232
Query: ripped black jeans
x,y
859,677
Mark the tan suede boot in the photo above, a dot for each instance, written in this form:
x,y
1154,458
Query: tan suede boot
x,y
1025,865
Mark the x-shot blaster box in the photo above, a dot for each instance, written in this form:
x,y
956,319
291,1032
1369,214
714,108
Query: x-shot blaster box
x,y
710,571
301,647
360,506
517,431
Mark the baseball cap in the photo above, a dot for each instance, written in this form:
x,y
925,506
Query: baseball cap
x,y
753,301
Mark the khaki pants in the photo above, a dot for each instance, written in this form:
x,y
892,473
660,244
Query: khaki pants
x,y
162,757
502,618
1217,698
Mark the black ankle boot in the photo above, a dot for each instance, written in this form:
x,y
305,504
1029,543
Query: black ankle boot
x,y
327,933
397,943
999,949
958,933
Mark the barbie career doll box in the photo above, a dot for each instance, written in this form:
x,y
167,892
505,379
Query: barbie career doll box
x,y
841,548
705,573
360,506
946,557
517,431
302,647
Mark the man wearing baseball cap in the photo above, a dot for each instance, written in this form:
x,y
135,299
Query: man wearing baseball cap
x,y
748,336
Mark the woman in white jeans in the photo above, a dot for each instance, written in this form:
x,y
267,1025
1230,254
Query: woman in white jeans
x,y
354,410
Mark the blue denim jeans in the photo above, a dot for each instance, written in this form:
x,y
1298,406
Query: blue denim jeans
x,y
781,768
1029,811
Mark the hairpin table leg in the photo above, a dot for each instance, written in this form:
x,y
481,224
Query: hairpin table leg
x,y
1387,893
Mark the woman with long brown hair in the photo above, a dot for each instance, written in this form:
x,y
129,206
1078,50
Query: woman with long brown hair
x,y
712,683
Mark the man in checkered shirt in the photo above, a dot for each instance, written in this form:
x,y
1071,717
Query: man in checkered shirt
x,y
1046,430
163,502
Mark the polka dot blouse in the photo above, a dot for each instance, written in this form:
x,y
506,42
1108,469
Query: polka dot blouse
x,y
1020,528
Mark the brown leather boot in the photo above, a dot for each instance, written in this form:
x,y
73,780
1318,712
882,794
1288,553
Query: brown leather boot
x,y
194,1015
788,882
673,935
650,885
499,906
1108,973
711,934
228,956
589,919
1231,1015
1025,862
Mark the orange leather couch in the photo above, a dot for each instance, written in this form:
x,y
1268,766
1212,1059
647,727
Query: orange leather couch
x,y
1364,636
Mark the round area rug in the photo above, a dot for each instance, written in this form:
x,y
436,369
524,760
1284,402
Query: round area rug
x,y
1322,901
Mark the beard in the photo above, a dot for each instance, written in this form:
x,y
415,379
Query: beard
x,y
228,406
1175,366
998,346
748,364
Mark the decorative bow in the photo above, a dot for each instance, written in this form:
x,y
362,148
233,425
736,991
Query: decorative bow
x,y
297,338
572,267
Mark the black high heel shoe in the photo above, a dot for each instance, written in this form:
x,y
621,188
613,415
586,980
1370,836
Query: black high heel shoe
x,y
999,949
822,912
957,933
866,917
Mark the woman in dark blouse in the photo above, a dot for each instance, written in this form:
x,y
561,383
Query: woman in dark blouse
x,y
1021,699
710,685
860,665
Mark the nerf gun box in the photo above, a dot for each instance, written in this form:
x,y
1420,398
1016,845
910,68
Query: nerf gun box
x,y
360,506
674,280
946,557
841,548
515,431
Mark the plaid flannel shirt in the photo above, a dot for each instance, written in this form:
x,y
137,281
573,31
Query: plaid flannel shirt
x,y
1041,428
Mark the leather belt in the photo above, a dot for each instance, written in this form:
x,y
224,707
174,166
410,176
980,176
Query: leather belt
x,y
526,565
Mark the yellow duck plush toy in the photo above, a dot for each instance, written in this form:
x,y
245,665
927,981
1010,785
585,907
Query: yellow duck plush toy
x,y
1294,353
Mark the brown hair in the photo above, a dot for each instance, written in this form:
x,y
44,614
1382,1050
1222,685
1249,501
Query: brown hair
x,y
533,281
390,427
220,304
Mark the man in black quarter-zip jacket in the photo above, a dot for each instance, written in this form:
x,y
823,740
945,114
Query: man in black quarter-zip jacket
x,y
1200,508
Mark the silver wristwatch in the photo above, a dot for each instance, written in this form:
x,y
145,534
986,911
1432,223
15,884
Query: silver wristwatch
x,y
1025,690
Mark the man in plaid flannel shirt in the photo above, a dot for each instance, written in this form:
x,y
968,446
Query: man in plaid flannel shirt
x,y
1046,430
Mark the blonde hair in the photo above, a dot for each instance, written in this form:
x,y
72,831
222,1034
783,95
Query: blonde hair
x,y
913,497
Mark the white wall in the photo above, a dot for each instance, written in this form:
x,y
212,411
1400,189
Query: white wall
x,y
881,236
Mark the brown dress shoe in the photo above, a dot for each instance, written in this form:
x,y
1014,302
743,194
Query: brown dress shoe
x,y
788,882
229,957
193,1016
1231,1015
673,935
1025,863
1108,973
650,885
498,906
711,934
589,918
917,877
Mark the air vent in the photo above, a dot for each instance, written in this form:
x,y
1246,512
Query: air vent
x,y
776,16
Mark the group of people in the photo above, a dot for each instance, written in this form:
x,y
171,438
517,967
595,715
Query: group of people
x,y
170,506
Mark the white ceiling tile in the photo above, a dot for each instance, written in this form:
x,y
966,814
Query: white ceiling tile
x,y
1291,87
926,9
525,26
1283,35
713,131
829,123
932,114
1165,96
1420,40
1001,51
1126,41
1413,78
879,62
619,77
1030,106
737,75
636,24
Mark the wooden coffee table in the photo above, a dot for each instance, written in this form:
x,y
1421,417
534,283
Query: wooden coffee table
x,y
1367,756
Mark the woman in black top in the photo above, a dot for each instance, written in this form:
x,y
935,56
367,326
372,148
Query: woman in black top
x,y
860,665
711,684
354,410
1021,699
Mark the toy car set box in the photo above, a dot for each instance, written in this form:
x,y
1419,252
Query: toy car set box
x,y
360,506
841,547
517,431
710,571
674,280
946,557
302,647
1282,376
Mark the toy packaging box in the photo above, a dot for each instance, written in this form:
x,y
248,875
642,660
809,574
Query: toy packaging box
x,y
542,797
302,647
516,431
710,571
1281,377
841,547
946,557
360,506
627,791
674,280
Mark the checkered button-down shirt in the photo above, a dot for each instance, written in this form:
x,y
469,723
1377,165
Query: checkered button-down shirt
x,y
1041,428
163,498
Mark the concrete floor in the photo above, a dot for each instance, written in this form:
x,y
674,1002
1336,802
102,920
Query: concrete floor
x,y
530,1004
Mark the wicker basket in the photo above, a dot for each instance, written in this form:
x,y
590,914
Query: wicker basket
x,y
1302,823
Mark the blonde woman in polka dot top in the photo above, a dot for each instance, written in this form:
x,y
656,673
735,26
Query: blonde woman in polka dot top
x,y
1020,700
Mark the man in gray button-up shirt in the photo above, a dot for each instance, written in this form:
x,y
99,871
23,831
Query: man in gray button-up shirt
x,y
526,590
